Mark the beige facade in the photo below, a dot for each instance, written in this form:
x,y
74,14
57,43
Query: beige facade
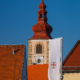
x,y
71,76
32,51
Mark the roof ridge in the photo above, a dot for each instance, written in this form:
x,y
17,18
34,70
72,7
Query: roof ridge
x,y
12,45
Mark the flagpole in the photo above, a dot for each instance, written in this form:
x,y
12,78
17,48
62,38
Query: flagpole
x,y
61,59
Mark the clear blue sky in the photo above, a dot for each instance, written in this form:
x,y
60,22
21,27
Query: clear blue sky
x,y
18,16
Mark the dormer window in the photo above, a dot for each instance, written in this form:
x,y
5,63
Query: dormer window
x,y
41,16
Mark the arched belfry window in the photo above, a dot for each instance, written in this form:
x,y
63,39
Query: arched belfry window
x,y
39,48
41,15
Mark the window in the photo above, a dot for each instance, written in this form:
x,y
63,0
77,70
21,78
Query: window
x,y
41,16
39,48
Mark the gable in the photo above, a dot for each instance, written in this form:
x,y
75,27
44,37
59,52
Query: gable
x,y
73,58
11,65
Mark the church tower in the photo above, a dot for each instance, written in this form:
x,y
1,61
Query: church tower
x,y
38,45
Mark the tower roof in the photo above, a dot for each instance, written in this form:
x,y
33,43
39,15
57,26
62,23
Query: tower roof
x,y
42,29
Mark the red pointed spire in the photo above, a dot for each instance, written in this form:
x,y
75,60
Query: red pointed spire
x,y
42,5
42,30
42,12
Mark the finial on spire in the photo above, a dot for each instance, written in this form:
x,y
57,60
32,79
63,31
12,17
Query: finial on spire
x,y
42,5
42,1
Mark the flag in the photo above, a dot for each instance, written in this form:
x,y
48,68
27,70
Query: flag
x,y
55,55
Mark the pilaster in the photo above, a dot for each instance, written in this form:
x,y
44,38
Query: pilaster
x,y
29,52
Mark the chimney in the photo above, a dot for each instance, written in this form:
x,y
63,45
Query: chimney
x,y
13,51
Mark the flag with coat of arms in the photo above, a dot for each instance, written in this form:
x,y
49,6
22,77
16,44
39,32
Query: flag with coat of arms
x,y
55,59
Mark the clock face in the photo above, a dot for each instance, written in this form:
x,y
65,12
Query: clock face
x,y
39,61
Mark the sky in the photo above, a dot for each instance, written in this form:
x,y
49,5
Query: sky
x,y
18,16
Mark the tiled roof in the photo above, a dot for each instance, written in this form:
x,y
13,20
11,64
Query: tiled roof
x,y
73,58
11,65
37,72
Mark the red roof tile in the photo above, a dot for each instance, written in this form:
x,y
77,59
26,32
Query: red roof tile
x,y
73,58
11,65
37,72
